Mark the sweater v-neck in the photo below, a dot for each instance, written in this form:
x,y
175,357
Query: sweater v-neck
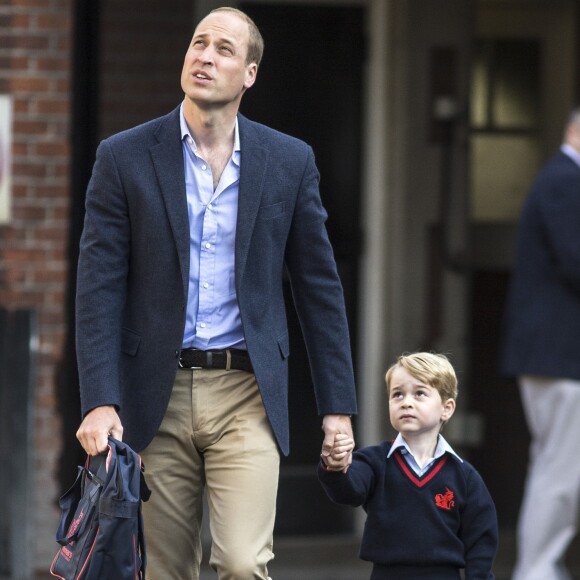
x,y
422,480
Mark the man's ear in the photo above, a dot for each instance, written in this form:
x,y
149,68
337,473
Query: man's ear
x,y
251,74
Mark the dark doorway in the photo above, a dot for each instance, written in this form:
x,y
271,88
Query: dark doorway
x,y
310,85
502,458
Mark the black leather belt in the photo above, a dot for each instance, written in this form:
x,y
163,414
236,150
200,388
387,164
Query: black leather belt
x,y
228,359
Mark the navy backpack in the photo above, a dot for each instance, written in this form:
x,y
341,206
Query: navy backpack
x,y
101,527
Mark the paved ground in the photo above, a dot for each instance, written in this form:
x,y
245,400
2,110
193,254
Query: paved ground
x,y
336,559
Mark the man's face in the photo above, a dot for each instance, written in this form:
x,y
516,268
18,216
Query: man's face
x,y
215,72
573,135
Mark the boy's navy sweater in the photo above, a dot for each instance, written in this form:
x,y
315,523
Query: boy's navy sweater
x,y
444,518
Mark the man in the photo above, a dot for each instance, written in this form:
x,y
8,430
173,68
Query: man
x,y
182,340
542,348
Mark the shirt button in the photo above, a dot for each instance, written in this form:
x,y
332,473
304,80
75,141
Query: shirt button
x,y
204,167
206,285
202,324
208,246
210,206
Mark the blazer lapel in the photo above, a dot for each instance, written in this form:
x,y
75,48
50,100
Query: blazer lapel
x,y
167,158
253,166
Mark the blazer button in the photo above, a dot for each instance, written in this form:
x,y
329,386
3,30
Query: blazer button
x,y
176,354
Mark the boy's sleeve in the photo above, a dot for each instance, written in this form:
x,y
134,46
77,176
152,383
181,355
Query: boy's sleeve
x,y
479,530
353,487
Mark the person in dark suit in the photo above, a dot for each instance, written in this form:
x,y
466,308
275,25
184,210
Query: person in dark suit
x,y
542,349
191,222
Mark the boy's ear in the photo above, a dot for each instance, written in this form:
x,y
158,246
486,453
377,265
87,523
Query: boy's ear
x,y
448,409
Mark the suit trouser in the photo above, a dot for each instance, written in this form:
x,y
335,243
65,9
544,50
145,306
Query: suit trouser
x,y
215,434
549,515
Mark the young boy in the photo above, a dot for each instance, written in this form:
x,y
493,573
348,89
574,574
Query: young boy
x,y
429,513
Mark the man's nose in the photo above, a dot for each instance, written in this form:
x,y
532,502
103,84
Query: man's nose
x,y
207,54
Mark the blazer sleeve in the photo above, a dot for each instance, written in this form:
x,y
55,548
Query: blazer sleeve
x,y
101,284
319,299
559,204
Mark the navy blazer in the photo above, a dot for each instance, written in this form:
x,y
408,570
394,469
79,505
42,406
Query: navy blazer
x,y
134,269
542,318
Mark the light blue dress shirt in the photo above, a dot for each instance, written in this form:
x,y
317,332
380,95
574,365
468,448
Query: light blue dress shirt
x,y
571,152
441,449
213,316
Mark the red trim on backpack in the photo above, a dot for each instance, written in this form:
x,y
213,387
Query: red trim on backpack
x,y
89,554
52,573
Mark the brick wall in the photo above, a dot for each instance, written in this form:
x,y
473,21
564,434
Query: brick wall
x,y
143,43
35,67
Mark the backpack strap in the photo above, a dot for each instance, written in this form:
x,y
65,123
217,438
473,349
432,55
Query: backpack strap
x,y
78,503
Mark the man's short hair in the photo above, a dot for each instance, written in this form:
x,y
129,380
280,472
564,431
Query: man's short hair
x,y
256,42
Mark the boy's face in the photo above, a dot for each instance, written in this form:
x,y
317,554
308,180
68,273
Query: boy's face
x,y
415,408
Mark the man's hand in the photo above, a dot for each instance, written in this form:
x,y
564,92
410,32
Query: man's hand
x,y
333,425
97,425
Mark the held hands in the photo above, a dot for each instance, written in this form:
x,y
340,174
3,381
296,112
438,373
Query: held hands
x,y
338,442
341,451
97,425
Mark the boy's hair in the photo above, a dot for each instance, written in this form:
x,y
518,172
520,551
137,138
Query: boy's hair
x,y
256,42
433,369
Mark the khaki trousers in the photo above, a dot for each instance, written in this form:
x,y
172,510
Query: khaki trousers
x,y
549,514
215,434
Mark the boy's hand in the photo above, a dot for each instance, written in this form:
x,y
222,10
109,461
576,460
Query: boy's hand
x,y
334,425
343,445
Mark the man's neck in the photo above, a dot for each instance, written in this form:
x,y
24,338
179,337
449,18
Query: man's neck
x,y
210,128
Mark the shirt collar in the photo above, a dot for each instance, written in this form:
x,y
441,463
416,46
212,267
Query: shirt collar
x,y
571,152
186,133
442,447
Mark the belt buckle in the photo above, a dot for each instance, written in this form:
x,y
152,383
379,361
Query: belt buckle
x,y
189,368
180,362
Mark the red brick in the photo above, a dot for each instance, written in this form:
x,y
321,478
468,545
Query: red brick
x,y
54,297
34,3
30,127
52,21
49,191
6,61
51,234
27,213
21,105
49,276
27,42
20,20
19,149
29,84
52,149
53,63
63,86
29,169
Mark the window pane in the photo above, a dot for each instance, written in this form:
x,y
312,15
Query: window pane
x,y
516,84
480,85
502,170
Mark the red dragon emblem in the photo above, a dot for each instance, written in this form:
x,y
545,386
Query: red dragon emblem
x,y
446,500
